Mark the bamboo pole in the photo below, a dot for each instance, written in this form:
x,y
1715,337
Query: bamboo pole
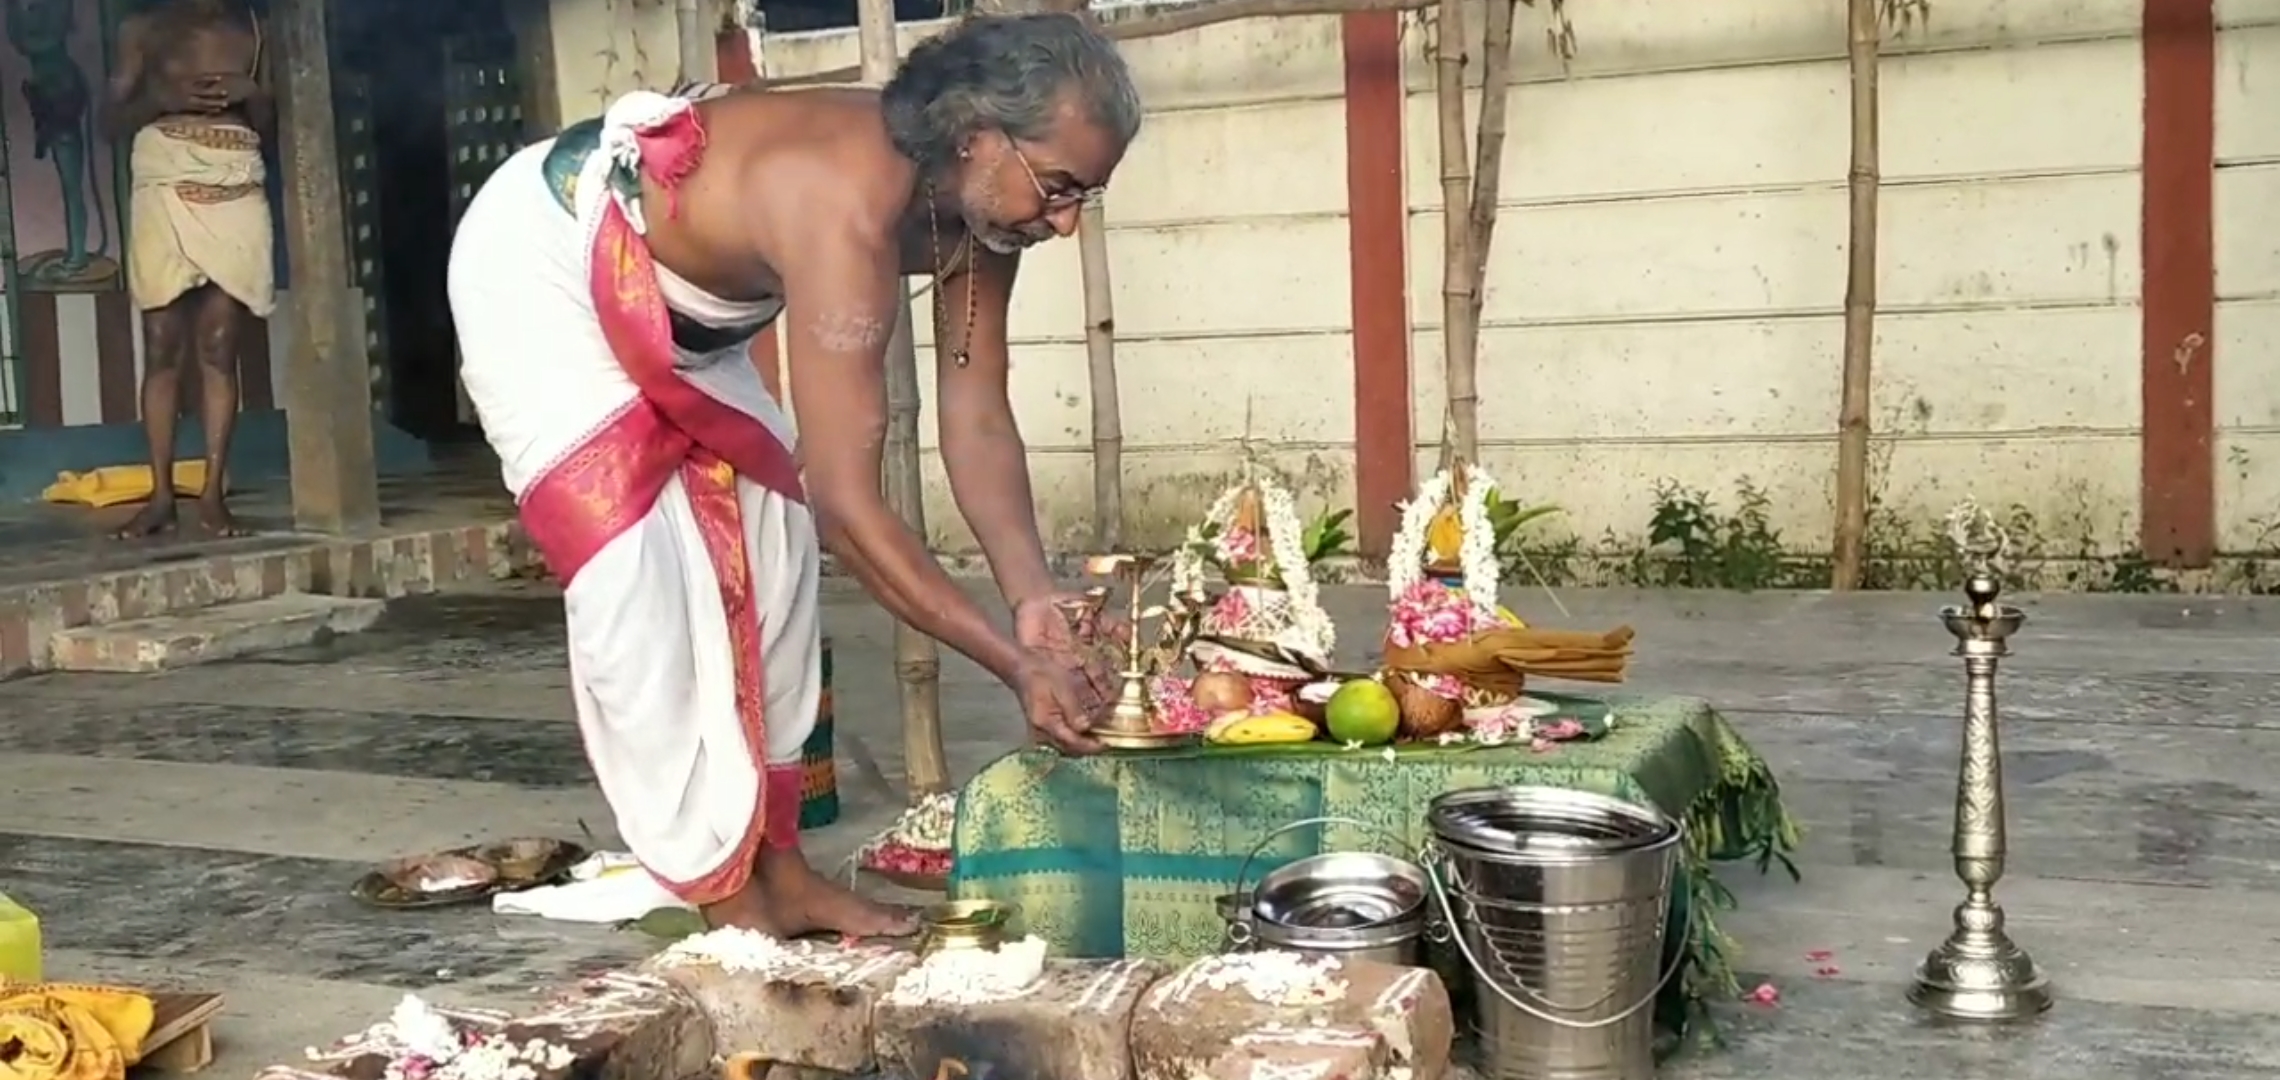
x,y
1488,148
1100,372
699,48
1851,532
1100,332
918,661
1460,436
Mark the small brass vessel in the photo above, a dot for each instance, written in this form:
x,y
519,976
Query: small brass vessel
x,y
963,924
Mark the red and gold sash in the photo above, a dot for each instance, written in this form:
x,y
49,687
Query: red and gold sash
x,y
613,479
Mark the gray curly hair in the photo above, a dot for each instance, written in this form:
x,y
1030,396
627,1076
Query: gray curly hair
x,y
1009,72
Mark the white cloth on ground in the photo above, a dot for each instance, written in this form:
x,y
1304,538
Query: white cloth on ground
x,y
607,887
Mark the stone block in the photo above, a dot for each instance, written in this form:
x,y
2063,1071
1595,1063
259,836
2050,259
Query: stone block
x,y
1188,1022
624,1027
1075,1022
611,1027
217,633
1408,1007
1286,1053
810,1005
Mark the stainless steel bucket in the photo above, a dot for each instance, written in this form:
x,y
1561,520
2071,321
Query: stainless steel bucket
x,y
1352,905
1557,901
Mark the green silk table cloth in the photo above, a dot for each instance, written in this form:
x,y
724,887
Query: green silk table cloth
x,y
1125,853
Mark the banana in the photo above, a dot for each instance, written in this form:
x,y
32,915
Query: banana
x,y
1243,729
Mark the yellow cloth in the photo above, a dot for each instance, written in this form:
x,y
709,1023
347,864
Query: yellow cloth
x,y
55,1031
1499,660
200,215
117,485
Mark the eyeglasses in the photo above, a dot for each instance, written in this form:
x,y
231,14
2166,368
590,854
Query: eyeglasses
x,y
1054,200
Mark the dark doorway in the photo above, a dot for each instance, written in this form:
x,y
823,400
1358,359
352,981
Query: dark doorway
x,y
404,69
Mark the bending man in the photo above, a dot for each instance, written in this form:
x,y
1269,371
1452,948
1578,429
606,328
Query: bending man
x,y
606,286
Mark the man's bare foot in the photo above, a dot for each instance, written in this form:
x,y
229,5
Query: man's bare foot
x,y
801,902
156,516
214,516
744,909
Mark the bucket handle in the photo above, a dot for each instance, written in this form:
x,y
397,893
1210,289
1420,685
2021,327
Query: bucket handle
x,y
1239,929
1431,864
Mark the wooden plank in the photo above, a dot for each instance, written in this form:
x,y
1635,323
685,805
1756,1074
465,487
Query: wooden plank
x,y
181,1036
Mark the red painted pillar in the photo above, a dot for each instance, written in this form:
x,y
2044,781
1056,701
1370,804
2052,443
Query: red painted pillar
x,y
2177,498
1377,207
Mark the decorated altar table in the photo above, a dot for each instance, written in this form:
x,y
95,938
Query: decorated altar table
x,y
1124,854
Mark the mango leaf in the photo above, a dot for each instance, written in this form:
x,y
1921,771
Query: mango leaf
x,y
1506,517
667,923
1326,536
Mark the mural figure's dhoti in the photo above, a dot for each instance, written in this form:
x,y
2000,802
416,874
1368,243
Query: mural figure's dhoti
x,y
200,216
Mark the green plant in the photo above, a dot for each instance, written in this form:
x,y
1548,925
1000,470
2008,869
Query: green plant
x,y
1552,564
2253,572
1506,516
1691,544
1905,554
2132,572
1327,537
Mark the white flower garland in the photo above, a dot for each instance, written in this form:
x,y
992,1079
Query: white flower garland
x,y
1476,556
1310,624
1188,561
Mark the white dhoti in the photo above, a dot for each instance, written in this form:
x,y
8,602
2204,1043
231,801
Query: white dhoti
x,y
199,215
655,637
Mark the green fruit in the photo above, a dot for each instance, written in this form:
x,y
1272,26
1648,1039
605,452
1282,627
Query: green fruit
x,y
1362,711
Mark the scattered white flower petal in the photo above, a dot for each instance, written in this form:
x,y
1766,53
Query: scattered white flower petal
x,y
972,976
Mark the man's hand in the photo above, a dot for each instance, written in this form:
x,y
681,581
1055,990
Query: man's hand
x,y
1052,699
1040,627
236,88
200,94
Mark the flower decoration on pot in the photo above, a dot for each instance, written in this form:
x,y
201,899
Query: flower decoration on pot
x,y
1450,647
1269,625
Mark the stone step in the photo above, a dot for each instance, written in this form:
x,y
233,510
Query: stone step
x,y
215,633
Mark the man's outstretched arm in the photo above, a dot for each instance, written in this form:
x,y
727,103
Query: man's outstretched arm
x,y
982,448
840,304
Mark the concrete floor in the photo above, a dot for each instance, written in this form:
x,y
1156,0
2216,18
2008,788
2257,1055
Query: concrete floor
x,y
202,827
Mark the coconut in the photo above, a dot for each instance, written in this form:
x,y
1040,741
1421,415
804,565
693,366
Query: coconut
x,y
1218,692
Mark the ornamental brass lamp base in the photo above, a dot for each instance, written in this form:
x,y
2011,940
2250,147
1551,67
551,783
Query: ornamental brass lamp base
x,y
1144,740
1980,976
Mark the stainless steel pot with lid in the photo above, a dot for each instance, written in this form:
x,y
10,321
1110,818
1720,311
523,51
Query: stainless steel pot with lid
x,y
1353,904
1540,825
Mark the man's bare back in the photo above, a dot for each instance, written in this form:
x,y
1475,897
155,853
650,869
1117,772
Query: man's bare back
x,y
789,147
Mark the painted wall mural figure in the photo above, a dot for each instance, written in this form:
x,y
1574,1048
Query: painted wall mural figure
x,y
58,98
